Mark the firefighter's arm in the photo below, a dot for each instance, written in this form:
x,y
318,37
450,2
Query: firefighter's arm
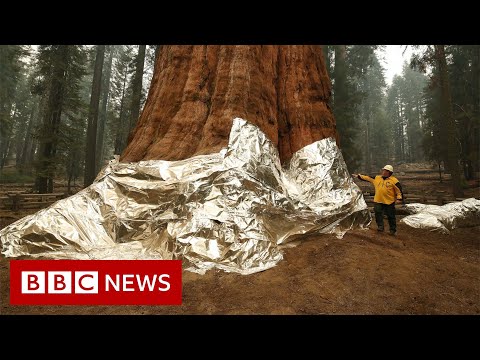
x,y
399,191
364,177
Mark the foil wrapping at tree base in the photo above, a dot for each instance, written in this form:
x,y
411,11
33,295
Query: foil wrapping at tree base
x,y
443,218
230,210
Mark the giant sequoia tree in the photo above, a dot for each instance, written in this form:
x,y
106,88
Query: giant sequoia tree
x,y
196,91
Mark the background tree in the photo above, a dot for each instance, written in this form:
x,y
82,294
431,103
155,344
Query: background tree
x,y
343,105
434,149
464,81
123,71
102,116
137,79
436,57
406,110
60,68
395,111
374,136
348,66
93,117
11,68
448,120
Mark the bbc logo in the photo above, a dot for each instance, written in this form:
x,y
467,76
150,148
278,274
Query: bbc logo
x,y
96,282
59,282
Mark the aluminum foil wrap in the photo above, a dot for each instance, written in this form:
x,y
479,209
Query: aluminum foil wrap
x,y
231,210
443,218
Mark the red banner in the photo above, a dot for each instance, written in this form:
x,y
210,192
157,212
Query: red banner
x,y
95,282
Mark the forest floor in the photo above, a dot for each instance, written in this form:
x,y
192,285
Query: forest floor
x,y
366,272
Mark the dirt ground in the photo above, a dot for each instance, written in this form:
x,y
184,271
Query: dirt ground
x,y
416,272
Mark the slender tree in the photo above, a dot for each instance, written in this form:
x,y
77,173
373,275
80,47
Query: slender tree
x,y
137,86
123,70
344,107
350,66
448,120
93,117
102,117
434,147
463,68
11,68
60,68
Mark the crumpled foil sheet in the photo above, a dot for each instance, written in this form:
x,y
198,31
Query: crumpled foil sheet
x,y
443,218
231,210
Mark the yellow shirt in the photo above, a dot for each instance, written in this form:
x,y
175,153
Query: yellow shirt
x,y
386,190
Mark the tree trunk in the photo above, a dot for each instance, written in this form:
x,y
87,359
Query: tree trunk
x,y
476,101
401,132
196,91
119,140
137,86
24,139
102,116
93,118
5,129
27,145
448,121
45,167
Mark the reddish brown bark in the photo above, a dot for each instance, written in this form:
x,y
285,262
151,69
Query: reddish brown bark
x,y
196,91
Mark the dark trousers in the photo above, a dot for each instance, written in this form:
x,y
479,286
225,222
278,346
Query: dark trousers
x,y
388,210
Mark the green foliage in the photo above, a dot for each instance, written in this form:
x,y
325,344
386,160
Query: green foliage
x,y
463,62
11,69
464,70
375,131
59,71
358,87
351,64
121,94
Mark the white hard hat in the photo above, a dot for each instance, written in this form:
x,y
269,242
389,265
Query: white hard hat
x,y
388,167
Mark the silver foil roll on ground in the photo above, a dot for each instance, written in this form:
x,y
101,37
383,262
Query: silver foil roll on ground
x,y
443,218
230,210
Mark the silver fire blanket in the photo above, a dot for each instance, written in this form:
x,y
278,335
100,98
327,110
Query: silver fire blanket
x,y
231,210
443,218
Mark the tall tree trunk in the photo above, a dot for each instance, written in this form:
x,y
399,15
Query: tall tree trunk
x,y
448,120
27,145
476,100
137,86
476,78
4,157
340,96
45,167
5,129
401,133
93,117
102,117
119,140
196,91
368,134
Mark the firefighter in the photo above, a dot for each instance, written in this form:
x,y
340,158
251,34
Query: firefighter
x,y
387,191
